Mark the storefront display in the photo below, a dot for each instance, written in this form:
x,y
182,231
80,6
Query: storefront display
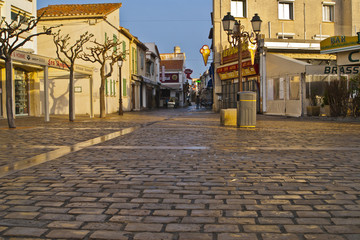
x,y
21,93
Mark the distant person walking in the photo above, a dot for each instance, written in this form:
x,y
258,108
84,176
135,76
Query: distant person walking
x,y
197,101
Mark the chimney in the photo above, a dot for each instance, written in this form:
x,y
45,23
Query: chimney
x,y
177,49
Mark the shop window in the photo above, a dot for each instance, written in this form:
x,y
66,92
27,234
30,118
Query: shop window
x,y
270,89
278,87
286,10
294,88
328,11
238,8
21,92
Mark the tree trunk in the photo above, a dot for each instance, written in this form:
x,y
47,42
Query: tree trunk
x,y
102,93
71,97
9,94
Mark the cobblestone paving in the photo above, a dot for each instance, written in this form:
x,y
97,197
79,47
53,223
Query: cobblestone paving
x,y
180,176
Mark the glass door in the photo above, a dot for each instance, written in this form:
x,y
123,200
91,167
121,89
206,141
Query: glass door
x,y
21,93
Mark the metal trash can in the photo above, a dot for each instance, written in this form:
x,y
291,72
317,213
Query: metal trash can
x,y
246,109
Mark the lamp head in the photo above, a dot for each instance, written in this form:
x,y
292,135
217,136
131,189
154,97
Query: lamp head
x,y
228,22
256,23
120,63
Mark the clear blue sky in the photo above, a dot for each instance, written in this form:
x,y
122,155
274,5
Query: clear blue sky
x,y
168,23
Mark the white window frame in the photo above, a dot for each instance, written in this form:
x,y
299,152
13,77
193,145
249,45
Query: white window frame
x,y
285,35
234,4
328,16
281,9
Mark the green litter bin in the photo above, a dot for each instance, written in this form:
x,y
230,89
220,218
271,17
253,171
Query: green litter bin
x,y
246,109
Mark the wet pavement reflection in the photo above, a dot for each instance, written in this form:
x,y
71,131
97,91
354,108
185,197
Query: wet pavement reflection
x,y
61,151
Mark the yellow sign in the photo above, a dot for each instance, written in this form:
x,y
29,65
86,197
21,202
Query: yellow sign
x,y
339,44
205,52
234,74
252,50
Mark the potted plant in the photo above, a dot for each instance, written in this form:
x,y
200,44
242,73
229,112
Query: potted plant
x,y
313,109
325,103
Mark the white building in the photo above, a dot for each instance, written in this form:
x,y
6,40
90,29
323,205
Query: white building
x,y
172,74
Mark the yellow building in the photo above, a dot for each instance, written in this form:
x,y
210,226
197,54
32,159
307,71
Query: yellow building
x,y
290,28
102,20
25,71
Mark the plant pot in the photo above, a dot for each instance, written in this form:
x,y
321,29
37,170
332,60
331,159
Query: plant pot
x,y
327,110
313,110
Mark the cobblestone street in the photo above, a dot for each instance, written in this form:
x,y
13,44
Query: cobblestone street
x,y
176,174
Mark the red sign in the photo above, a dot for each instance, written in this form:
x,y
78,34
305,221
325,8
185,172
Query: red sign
x,y
170,78
188,72
56,63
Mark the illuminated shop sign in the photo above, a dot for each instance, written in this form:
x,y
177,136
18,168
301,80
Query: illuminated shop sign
x,y
170,78
230,72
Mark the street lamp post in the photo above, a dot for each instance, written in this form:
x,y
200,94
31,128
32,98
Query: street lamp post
x,y
120,63
236,32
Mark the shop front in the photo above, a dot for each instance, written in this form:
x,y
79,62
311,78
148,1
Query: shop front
x,y
228,73
31,83
26,92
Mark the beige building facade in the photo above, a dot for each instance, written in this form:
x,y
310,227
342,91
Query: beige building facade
x,y
101,20
290,28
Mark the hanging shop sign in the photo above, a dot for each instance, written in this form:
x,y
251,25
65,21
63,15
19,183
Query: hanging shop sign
x,y
188,72
230,72
170,78
340,44
205,52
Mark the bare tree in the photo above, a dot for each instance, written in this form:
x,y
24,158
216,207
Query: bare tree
x,y
14,35
67,54
103,54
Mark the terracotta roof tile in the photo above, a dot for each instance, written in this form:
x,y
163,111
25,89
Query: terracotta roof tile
x,y
78,9
172,64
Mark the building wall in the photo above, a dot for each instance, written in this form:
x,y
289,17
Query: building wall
x,y
126,74
75,27
24,6
307,25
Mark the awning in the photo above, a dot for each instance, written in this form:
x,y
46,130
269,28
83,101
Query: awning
x,y
278,65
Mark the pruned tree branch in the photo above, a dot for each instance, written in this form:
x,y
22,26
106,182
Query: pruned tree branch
x,y
67,53
103,53
10,33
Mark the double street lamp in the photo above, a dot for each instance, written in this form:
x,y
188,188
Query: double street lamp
x,y
237,34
